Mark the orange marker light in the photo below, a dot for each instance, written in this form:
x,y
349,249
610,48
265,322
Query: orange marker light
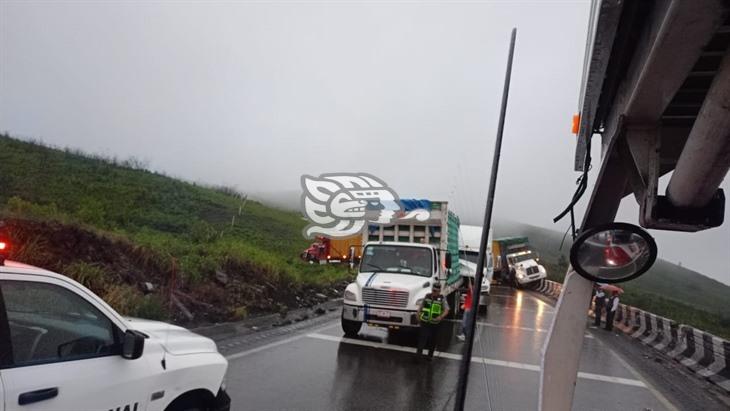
x,y
3,245
576,123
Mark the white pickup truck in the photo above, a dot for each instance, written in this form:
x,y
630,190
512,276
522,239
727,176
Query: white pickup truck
x,y
63,348
470,237
392,280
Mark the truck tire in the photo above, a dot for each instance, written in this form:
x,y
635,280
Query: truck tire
x,y
350,328
191,401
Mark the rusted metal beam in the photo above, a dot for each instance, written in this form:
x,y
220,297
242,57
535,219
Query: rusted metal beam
x,y
665,54
604,21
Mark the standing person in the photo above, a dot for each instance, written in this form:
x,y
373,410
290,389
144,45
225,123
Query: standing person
x,y
432,310
611,309
598,303
467,311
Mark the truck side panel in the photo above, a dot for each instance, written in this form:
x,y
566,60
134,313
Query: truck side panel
x,y
452,245
441,230
497,255
340,247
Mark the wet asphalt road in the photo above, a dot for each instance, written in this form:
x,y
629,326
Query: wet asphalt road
x,y
315,368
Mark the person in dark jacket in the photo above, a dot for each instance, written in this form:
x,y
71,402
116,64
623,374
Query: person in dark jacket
x,y
432,310
611,309
599,301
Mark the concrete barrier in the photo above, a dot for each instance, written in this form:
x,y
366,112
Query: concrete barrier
x,y
706,355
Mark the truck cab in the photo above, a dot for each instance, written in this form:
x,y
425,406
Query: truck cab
x,y
516,262
392,280
63,348
526,268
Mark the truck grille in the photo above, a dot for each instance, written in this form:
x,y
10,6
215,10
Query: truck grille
x,y
532,270
390,298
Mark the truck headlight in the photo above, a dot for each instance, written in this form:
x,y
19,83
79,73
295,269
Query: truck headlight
x,y
520,275
418,302
350,296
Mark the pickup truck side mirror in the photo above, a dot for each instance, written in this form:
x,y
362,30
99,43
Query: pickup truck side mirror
x,y
133,344
448,261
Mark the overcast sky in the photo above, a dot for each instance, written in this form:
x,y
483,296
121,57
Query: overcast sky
x,y
255,94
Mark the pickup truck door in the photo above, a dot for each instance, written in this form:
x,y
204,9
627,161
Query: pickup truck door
x,y
65,352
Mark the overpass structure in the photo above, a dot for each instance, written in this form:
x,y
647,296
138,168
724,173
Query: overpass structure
x,y
656,88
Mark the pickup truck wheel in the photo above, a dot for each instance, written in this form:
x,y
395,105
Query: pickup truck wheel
x,y
187,404
351,328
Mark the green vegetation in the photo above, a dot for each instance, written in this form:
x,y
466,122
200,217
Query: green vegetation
x,y
176,226
666,289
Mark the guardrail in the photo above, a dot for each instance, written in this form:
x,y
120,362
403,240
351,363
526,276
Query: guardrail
x,y
705,354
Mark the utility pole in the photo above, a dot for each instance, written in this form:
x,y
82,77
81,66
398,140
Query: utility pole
x,y
471,326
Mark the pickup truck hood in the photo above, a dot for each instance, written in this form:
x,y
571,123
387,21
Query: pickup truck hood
x,y
399,281
174,339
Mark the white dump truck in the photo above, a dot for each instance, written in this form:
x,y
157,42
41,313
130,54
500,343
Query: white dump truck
x,y
399,265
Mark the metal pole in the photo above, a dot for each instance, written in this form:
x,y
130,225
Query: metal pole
x,y
471,326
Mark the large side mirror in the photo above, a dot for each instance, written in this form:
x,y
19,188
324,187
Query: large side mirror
x,y
613,253
448,261
133,344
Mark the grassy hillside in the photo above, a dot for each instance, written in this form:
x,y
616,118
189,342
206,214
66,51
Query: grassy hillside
x,y
175,229
666,289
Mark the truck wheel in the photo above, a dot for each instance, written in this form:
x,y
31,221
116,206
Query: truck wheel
x,y
351,328
188,402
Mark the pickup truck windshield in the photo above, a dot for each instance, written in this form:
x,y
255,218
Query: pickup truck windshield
x,y
397,259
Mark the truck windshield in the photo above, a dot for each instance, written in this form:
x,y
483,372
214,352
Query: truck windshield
x,y
397,259
473,257
521,258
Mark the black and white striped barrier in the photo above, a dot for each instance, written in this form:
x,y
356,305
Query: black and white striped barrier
x,y
549,288
705,354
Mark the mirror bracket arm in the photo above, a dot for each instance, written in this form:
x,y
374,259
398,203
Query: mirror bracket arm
x,y
639,148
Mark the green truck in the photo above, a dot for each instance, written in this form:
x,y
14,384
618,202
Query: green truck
x,y
515,262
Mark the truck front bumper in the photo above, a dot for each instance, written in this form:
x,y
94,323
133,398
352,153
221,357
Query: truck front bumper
x,y
530,278
383,316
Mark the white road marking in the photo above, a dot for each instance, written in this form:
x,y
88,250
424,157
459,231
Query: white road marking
x,y
273,344
615,380
636,374
513,327
481,360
